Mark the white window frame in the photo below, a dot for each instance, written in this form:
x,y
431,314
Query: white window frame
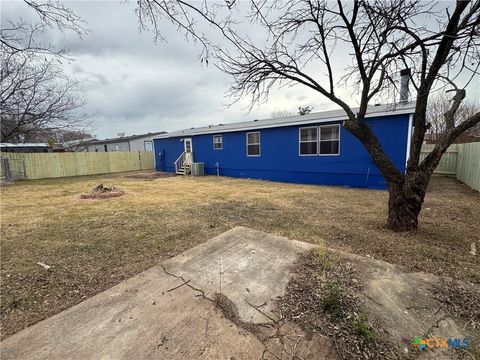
x,y
300,140
221,141
259,143
319,130
145,145
320,136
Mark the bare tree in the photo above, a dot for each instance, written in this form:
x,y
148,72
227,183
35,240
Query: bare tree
x,y
438,106
304,110
36,96
381,38
17,36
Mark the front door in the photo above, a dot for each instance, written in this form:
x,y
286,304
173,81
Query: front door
x,y
187,143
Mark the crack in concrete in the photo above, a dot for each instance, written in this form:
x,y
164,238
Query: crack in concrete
x,y
186,283
230,312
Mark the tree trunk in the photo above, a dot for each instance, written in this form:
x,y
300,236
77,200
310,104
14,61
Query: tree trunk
x,y
403,207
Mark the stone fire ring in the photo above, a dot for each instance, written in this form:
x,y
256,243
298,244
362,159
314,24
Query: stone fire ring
x,y
104,195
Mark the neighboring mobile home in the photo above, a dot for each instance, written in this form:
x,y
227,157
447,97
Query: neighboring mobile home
x,y
142,142
309,149
26,148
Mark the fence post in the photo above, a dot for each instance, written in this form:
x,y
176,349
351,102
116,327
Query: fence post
x,y
6,174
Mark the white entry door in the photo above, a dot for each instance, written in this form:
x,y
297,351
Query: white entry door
x,y
188,145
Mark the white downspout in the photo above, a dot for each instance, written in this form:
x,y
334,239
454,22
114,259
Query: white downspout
x,y
409,139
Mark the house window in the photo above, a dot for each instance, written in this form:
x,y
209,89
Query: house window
x,y
308,140
218,142
253,143
148,146
329,139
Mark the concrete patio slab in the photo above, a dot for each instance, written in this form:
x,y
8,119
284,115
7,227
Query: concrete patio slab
x,y
167,312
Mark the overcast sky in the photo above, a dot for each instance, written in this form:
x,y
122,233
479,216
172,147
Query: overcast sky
x,y
136,86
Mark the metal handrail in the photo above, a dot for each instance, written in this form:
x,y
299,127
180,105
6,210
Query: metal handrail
x,y
180,159
184,159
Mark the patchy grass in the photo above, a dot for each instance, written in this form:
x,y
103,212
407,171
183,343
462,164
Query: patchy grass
x,y
362,328
94,244
327,303
332,300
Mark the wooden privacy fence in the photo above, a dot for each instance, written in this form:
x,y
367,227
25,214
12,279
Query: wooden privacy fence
x,y
468,165
461,160
448,163
53,165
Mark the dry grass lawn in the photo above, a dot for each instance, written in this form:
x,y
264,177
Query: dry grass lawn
x,y
94,244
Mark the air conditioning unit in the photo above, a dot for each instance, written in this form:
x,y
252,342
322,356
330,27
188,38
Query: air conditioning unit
x,y
198,169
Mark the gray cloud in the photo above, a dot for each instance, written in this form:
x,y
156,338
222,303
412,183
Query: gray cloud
x,y
134,85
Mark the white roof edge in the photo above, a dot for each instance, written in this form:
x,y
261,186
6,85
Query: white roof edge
x,y
24,145
312,118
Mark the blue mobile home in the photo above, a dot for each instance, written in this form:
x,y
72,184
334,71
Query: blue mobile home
x,y
309,149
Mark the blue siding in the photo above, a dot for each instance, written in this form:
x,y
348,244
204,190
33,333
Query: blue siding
x,y
280,159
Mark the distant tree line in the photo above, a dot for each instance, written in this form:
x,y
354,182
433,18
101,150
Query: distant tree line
x,y
302,110
38,101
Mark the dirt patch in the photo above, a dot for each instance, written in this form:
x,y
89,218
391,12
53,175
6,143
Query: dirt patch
x,y
281,339
324,300
230,311
149,175
102,192
460,299
380,309
448,184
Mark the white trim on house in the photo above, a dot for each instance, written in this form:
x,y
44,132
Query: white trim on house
x,y
221,141
259,143
409,139
318,141
312,118
300,140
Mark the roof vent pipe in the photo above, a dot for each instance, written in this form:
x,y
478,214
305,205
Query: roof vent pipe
x,y
404,79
